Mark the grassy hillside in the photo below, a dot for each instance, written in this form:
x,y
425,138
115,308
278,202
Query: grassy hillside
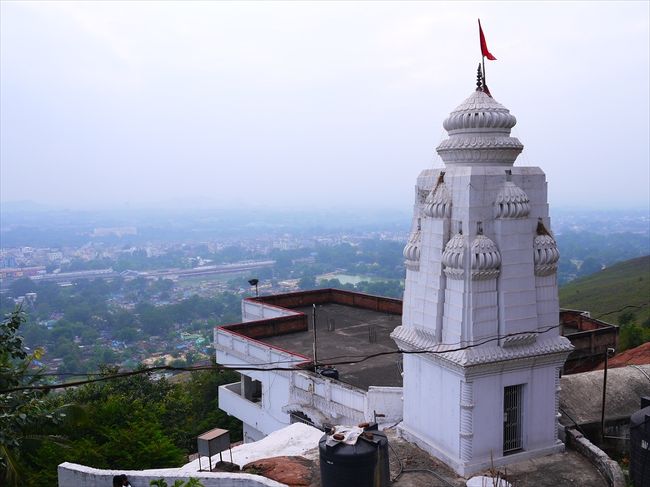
x,y
623,284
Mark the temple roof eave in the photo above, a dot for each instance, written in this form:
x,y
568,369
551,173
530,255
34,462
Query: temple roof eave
x,y
412,339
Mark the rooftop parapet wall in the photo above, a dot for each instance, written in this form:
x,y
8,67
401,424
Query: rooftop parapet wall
x,y
582,321
590,337
282,320
337,296
253,351
270,327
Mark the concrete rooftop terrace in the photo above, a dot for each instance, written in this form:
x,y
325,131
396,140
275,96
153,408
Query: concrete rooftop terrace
x,y
356,333
349,326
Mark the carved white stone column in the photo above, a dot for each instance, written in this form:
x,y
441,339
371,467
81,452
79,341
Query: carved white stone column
x,y
466,420
558,388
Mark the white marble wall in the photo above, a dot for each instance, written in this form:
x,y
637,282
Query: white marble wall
x,y
455,411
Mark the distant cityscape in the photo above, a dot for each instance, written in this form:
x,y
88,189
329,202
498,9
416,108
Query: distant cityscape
x,y
141,274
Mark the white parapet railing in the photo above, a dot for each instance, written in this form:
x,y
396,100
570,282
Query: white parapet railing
x,y
336,402
386,401
254,310
73,475
326,400
250,351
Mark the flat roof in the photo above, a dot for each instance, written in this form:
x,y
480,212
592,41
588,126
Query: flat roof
x,y
356,332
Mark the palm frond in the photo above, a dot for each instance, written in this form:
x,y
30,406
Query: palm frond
x,y
12,468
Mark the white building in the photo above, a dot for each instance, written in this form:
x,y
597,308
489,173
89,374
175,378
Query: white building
x,y
276,332
481,273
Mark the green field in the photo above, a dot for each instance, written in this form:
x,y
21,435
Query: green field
x,y
623,284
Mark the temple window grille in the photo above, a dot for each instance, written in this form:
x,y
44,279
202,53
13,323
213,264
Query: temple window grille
x,y
512,418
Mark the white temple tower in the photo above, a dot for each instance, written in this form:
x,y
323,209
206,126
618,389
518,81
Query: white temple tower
x,y
481,273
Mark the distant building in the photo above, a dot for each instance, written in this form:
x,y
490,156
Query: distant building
x,y
114,231
626,386
590,337
56,256
17,273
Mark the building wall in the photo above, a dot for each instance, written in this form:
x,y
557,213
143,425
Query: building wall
x,y
590,337
539,411
255,310
266,416
384,400
251,434
435,416
321,399
321,296
461,420
73,475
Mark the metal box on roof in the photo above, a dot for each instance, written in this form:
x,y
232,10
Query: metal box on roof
x,y
212,442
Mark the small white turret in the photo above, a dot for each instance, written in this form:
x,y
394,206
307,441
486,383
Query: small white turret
x,y
453,257
546,254
511,201
438,202
486,258
412,250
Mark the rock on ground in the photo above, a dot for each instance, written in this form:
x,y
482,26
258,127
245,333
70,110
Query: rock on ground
x,y
293,471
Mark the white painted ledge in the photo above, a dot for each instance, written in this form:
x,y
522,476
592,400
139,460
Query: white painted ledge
x,y
73,475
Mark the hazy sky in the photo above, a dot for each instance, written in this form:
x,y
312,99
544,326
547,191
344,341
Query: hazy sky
x,y
116,104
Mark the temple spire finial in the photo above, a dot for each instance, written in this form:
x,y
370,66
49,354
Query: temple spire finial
x,y
479,78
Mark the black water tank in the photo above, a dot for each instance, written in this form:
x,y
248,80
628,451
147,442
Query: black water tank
x,y
364,464
329,372
640,448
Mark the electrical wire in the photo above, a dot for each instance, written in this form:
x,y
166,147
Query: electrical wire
x,y
641,370
621,309
273,367
403,470
269,366
575,423
329,360
399,460
432,472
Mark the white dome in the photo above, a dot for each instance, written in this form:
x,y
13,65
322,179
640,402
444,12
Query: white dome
x,y
479,132
438,202
546,255
512,202
453,256
486,258
479,111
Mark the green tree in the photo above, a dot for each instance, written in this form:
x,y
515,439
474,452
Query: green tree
x,y
23,413
307,282
632,335
22,286
626,318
